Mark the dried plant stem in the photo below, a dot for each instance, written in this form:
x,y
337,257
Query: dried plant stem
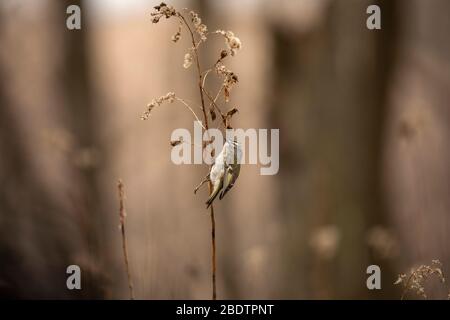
x,y
190,109
122,215
205,179
206,126
405,291
213,103
205,76
213,253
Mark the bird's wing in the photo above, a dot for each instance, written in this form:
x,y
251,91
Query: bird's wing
x,y
230,177
231,174
216,176
217,187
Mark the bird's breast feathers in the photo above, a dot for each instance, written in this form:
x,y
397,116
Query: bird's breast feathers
x,y
229,155
217,169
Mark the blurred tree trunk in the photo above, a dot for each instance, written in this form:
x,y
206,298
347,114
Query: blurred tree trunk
x,y
329,83
84,123
33,250
417,153
45,229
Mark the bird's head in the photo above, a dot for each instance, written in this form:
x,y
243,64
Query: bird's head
x,y
233,142
234,149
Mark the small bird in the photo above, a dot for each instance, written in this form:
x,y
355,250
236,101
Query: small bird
x,y
225,170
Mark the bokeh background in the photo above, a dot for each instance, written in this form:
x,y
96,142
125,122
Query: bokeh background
x,y
364,174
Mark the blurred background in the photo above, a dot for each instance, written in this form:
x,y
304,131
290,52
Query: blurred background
x,y
364,174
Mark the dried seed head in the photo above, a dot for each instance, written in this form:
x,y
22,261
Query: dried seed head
x,y
221,69
177,35
162,10
401,278
169,97
187,60
195,18
233,43
200,28
147,112
416,279
229,79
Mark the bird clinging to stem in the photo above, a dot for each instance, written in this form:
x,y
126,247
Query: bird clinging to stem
x,y
225,170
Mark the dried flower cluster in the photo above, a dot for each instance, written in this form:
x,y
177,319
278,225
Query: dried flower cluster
x,y
187,60
229,79
198,32
416,279
200,28
163,10
234,43
169,97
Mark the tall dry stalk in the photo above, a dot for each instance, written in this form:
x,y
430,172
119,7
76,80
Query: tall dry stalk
x,y
122,216
198,33
206,126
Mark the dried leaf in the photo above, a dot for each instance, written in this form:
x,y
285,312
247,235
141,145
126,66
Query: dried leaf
x,y
223,54
213,114
176,142
231,112
227,94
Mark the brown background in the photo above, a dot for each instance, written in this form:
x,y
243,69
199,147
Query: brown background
x,y
364,150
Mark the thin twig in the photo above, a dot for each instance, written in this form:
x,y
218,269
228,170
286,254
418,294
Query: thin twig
x,y
205,179
205,76
122,215
213,103
406,286
197,60
187,106
213,252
